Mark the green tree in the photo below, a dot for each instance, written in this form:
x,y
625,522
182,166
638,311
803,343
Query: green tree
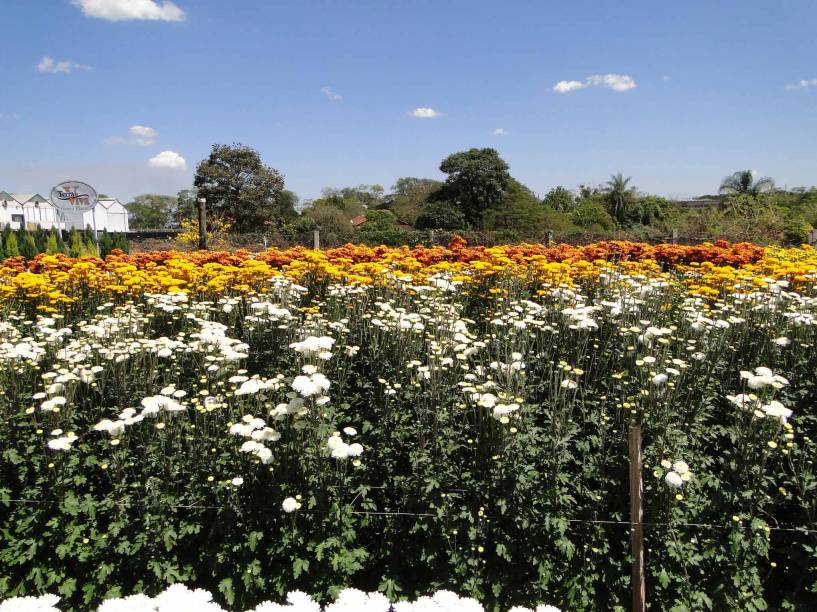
x,y
151,211
12,249
51,246
90,247
560,199
288,205
410,196
477,179
743,182
28,248
75,240
521,213
332,223
239,188
589,213
619,196
441,215
186,207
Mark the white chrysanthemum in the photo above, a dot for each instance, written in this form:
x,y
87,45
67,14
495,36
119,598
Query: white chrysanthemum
x,y
43,603
681,467
290,504
674,479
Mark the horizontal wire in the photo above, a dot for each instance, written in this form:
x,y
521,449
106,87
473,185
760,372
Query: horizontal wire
x,y
802,530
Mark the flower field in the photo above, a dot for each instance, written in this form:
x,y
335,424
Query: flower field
x,y
410,421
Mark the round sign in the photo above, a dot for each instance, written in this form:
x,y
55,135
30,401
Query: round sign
x,y
73,196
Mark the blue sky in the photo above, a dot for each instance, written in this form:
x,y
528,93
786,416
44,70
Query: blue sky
x,y
677,95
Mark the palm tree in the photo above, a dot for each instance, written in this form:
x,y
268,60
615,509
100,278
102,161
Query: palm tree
x,y
619,194
743,183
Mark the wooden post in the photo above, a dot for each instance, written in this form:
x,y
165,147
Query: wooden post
x,y
316,239
636,527
674,235
202,223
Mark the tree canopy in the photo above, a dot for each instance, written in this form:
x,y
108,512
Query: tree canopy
x,y
477,179
743,182
238,187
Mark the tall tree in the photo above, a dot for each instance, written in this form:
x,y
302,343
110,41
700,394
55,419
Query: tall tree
x,y
185,206
151,211
238,187
560,199
477,180
743,182
619,196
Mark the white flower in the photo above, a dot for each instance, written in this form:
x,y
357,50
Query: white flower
x,y
776,410
290,504
681,467
674,479
43,603
350,431
237,481
659,379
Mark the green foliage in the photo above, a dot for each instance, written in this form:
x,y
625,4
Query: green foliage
x,y
411,195
76,247
52,247
560,199
151,211
591,214
441,215
520,212
11,248
620,196
239,188
743,182
477,179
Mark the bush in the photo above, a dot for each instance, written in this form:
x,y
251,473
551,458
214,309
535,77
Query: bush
x,y
588,214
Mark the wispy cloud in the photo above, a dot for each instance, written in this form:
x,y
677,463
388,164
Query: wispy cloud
x,y
331,94
140,135
9,116
423,112
566,86
500,132
803,83
616,82
168,159
50,65
128,10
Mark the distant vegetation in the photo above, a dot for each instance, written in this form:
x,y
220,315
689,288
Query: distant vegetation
x,y
29,243
480,200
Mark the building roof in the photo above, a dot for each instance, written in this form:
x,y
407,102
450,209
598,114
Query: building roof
x,y
359,220
6,196
29,197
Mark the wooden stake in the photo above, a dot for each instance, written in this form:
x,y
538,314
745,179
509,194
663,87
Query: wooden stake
x,y
316,239
636,526
202,224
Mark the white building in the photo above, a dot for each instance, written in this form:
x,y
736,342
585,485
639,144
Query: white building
x,y
37,210
32,209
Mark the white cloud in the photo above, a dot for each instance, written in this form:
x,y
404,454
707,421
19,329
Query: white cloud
x,y
9,116
48,64
500,132
802,83
330,94
666,78
566,86
126,10
168,159
141,136
616,82
424,113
